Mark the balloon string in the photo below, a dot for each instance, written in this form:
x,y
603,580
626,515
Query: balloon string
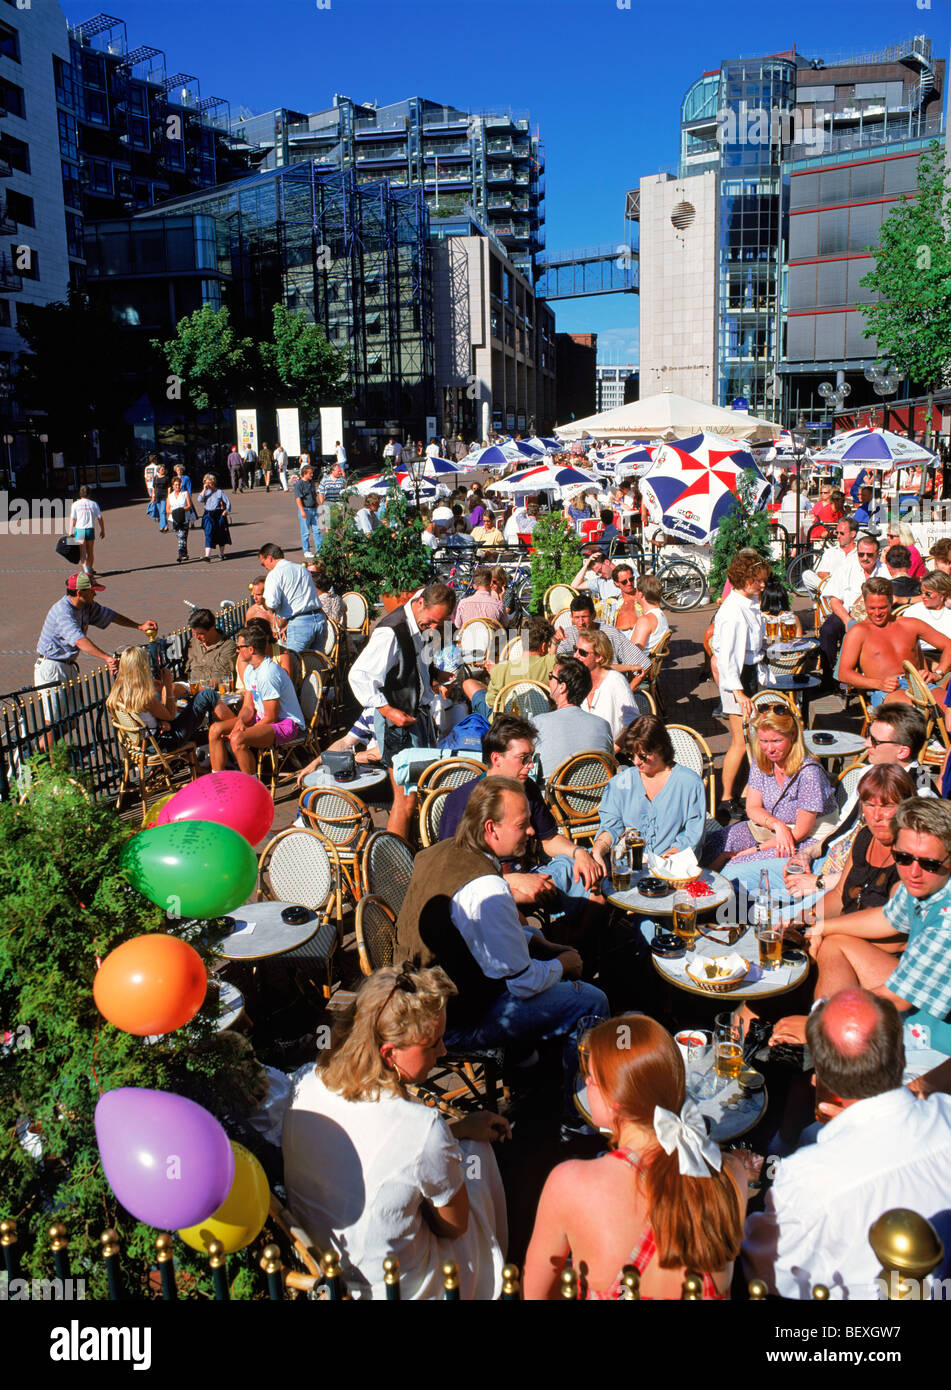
x,y
92,1065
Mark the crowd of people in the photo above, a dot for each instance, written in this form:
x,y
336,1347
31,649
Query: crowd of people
x,y
506,942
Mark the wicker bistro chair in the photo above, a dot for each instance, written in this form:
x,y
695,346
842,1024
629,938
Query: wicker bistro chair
x,y
312,703
693,751
430,814
574,792
478,1075
558,597
480,637
387,867
922,697
449,772
144,764
652,678
342,820
526,698
513,650
644,701
357,612
279,762
296,866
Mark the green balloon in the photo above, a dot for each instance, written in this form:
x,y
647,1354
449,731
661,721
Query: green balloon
x,y
191,868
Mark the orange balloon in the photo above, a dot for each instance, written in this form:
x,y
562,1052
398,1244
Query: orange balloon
x,y
151,984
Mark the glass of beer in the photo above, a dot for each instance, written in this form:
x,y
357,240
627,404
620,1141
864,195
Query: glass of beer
x,y
772,629
770,942
787,627
685,919
194,687
728,1031
621,867
635,842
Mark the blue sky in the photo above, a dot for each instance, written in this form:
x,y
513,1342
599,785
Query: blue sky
x,y
602,83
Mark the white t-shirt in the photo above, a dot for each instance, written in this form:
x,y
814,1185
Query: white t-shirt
x,y
341,454
357,1174
432,451
84,513
938,618
614,702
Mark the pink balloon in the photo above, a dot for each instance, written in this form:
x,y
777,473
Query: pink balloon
x,y
234,799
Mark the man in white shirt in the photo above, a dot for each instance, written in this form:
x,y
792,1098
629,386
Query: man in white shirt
x,y
842,591
367,517
341,454
833,557
442,519
596,575
883,1148
280,463
393,676
432,450
290,593
515,987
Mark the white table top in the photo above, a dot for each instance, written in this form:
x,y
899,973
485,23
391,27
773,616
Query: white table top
x,y
269,935
843,744
368,775
800,647
782,680
730,1113
631,901
757,984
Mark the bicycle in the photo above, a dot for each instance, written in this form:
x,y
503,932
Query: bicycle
x,y
808,556
683,582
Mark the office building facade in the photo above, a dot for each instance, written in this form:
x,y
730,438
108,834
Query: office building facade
x,y
614,385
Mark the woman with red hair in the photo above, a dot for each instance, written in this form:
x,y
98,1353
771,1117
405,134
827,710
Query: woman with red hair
x,y
664,1199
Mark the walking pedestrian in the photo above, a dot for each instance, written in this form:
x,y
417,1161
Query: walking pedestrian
x,y
305,495
234,468
280,463
83,515
266,460
179,507
159,496
215,517
250,460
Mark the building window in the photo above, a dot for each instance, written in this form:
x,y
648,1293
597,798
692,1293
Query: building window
x,y
9,42
11,99
74,235
5,317
72,188
139,132
64,80
97,108
20,208
16,151
68,145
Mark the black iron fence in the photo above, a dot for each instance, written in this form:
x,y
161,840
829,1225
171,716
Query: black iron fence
x,y
75,714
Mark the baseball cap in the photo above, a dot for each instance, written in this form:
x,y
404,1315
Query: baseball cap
x,y
76,583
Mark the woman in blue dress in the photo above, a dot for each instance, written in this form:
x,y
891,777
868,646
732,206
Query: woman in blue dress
x,y
657,796
215,517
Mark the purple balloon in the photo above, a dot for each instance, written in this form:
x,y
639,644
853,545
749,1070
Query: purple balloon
x,y
168,1161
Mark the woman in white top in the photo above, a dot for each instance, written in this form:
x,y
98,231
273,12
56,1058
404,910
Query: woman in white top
x,y
738,631
931,607
373,1172
610,696
83,515
136,690
652,624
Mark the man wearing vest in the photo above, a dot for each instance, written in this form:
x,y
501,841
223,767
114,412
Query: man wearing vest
x,y
393,676
515,987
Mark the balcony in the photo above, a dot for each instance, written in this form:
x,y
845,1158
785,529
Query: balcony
x,y
498,147
6,168
501,173
8,225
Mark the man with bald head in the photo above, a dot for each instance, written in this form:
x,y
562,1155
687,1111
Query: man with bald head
x,y
881,1148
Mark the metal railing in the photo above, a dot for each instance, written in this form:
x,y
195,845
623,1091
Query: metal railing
x,y
75,713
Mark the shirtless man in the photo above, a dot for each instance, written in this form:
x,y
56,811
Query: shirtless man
x,y
873,650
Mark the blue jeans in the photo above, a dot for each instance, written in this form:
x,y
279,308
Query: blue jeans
x,y
572,896
304,633
555,1013
480,705
203,703
162,517
308,524
881,697
745,878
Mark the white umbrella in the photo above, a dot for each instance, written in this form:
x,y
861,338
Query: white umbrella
x,y
429,491
669,416
543,478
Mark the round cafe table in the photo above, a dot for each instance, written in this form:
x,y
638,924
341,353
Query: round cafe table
x,y
756,984
260,932
730,1113
843,745
721,890
368,775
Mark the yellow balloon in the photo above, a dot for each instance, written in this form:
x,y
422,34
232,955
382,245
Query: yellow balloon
x,y
151,815
243,1212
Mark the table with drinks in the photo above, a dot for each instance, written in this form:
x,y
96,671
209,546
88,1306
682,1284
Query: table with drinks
x,y
782,627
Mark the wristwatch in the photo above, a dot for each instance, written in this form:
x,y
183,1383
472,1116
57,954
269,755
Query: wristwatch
x,y
820,883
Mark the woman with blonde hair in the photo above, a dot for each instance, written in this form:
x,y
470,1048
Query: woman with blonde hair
x,y
136,690
372,1171
663,1199
900,533
787,794
610,695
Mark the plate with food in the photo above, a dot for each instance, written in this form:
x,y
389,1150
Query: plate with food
x,y
717,974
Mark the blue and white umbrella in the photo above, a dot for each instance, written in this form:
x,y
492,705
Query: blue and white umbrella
x,y
494,456
873,448
429,490
542,478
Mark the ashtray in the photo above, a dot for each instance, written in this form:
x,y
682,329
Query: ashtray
x,y
650,887
666,944
792,956
823,738
296,916
751,1080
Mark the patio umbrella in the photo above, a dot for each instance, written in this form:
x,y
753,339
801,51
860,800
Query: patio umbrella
x,y
542,478
628,462
429,490
669,416
873,448
494,456
693,485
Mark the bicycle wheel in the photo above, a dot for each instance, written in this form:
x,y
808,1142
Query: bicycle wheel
x,y
805,560
683,584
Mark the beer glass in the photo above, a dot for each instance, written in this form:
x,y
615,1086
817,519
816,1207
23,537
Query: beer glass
x,y
636,844
728,1030
685,919
787,627
772,629
770,942
621,867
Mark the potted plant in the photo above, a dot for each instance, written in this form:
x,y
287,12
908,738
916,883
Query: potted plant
x,y
556,556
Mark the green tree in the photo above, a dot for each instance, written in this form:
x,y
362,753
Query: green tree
x,y
214,364
911,319
556,556
304,366
66,902
745,527
75,371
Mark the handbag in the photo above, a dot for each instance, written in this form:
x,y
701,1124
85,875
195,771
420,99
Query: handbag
x,y
341,766
821,828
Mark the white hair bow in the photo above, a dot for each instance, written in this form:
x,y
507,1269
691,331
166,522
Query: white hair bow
x,y
687,1134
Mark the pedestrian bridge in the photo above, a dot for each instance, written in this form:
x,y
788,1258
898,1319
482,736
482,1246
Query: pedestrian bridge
x,y
589,271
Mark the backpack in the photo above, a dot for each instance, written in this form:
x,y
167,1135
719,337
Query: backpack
x,y
467,735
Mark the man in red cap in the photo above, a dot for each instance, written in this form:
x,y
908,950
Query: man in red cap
x,y
64,636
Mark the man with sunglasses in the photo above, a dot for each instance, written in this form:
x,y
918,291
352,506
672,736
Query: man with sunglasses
x,y
920,984
596,576
627,656
875,649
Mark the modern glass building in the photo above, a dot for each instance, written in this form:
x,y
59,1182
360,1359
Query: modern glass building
x,y
490,161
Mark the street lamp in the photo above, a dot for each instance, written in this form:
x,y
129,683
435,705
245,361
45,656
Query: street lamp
x,y
798,434
8,441
417,469
885,380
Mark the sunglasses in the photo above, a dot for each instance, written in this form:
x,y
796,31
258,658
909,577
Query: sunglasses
x,y
877,742
524,758
930,866
625,581
774,709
